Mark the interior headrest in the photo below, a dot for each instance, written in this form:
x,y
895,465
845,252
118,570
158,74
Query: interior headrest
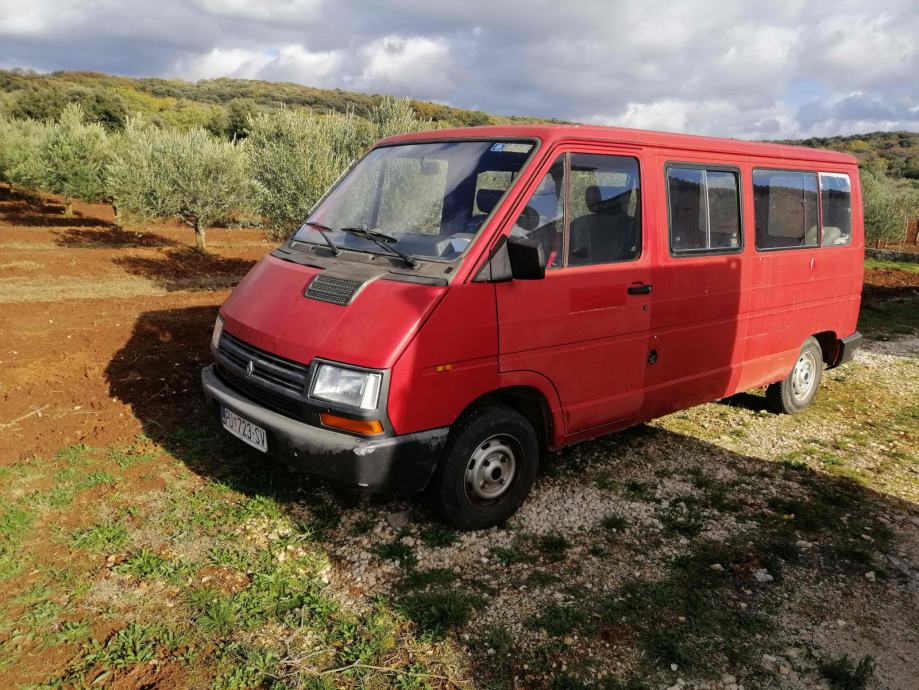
x,y
593,198
487,199
604,199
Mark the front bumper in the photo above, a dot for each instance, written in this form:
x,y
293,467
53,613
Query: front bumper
x,y
399,463
847,348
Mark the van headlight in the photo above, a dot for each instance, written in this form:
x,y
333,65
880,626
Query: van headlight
x,y
218,331
347,386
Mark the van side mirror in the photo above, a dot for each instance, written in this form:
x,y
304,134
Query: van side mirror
x,y
514,258
528,258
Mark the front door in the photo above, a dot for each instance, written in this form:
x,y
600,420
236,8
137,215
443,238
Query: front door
x,y
585,325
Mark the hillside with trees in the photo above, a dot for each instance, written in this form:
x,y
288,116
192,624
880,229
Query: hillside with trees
x,y
244,151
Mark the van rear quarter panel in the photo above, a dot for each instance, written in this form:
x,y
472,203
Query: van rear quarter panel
x,y
796,293
725,323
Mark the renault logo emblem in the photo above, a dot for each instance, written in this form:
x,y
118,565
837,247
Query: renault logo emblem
x,y
250,367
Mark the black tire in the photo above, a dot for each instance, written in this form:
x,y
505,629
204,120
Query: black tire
x,y
484,443
789,396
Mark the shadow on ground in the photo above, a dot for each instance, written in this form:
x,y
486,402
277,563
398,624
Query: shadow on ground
x,y
186,269
20,207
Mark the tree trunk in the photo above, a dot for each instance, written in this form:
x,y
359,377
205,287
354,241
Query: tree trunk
x,y
200,240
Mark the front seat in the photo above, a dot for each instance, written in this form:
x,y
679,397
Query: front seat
x,y
486,200
606,233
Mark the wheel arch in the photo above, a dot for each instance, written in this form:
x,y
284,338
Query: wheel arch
x,y
528,401
829,345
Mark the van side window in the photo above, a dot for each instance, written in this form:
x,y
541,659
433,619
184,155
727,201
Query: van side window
x,y
704,210
605,209
543,217
836,209
785,209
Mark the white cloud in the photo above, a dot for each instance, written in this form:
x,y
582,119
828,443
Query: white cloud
x,y
220,62
295,63
774,68
413,65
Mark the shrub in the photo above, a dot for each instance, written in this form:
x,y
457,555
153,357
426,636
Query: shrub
x,y
71,157
297,155
190,175
886,208
19,140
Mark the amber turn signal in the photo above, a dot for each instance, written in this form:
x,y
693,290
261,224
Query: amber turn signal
x,y
355,426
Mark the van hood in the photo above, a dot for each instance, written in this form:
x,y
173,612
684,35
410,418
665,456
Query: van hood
x,y
270,310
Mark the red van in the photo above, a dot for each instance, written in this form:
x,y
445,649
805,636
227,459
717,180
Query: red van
x,y
463,299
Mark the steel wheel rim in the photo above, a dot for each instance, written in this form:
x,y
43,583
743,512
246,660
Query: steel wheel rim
x,y
804,376
491,469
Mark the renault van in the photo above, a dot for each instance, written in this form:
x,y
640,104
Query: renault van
x,y
463,300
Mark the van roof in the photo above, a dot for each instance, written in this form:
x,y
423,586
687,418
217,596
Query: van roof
x,y
549,134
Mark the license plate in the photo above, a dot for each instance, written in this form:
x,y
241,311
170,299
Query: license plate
x,y
243,429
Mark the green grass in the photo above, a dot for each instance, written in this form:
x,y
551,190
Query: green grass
x,y
102,538
436,535
396,551
842,674
559,620
874,264
890,318
438,610
553,547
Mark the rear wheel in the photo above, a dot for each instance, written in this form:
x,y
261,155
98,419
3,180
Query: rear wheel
x,y
488,468
796,392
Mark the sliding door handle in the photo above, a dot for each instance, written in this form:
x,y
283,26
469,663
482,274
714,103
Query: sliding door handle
x,y
642,289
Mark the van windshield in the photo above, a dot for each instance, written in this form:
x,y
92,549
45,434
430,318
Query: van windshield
x,y
428,199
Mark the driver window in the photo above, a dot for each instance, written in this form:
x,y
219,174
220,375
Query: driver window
x,y
542,219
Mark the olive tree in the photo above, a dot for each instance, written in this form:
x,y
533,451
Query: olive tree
x,y
189,175
71,158
297,155
886,208
19,141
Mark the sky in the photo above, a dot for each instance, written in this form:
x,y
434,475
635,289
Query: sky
x,y
758,70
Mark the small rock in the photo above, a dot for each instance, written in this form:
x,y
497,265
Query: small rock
x,y
398,520
717,567
762,575
728,679
870,576
673,667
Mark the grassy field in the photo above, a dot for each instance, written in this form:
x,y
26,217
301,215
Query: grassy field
x,y
141,547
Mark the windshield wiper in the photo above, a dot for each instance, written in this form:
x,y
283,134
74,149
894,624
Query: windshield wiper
x,y
322,230
382,240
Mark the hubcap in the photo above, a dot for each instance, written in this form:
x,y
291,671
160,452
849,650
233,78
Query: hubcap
x,y
803,376
491,469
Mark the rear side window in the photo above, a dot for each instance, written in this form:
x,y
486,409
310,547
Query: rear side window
x,y
785,209
836,209
605,209
704,210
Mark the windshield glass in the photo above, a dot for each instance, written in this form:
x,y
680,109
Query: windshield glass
x,y
428,199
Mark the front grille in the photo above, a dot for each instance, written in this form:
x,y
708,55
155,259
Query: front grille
x,y
271,381
278,403
267,367
333,289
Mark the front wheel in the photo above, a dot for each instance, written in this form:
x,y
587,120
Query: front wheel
x,y
796,392
488,467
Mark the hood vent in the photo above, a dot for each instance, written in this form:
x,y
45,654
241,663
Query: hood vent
x,y
334,289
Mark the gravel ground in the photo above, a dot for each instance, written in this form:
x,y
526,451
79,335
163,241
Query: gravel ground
x,y
621,509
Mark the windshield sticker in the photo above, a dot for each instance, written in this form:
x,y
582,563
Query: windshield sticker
x,y
511,147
